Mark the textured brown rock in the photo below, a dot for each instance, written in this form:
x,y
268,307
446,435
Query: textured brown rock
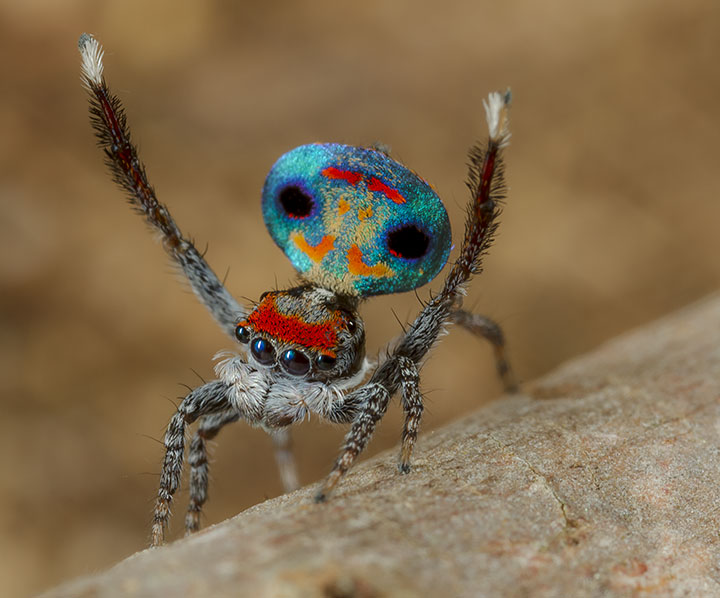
x,y
601,480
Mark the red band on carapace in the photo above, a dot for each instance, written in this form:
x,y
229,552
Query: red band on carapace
x,y
291,329
350,176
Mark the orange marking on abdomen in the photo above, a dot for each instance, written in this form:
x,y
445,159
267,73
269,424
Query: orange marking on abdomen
x,y
358,267
343,206
376,184
349,176
366,213
318,252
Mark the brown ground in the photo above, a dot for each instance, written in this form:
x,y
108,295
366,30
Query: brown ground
x,y
612,217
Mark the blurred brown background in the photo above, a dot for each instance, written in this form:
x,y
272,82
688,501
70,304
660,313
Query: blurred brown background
x,y
612,217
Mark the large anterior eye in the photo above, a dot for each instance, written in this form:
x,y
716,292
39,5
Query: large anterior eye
x,y
295,362
296,202
325,362
263,351
408,242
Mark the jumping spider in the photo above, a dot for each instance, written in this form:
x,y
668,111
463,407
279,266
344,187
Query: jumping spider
x,y
354,223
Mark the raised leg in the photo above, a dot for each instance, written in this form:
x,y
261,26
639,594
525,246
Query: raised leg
x,y
374,407
491,331
285,459
487,188
204,400
113,134
208,428
413,406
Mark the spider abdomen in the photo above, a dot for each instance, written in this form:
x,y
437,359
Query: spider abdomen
x,y
355,221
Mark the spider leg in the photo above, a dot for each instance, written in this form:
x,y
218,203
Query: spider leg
x,y
121,156
375,398
208,428
285,460
375,401
486,185
204,400
413,406
489,330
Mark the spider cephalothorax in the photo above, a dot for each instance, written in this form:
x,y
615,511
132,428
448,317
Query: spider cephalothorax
x,y
354,223
309,332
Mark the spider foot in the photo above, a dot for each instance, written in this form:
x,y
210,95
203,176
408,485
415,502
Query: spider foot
x,y
157,535
505,372
192,522
329,484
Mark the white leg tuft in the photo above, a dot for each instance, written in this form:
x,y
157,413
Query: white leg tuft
x,y
497,114
92,56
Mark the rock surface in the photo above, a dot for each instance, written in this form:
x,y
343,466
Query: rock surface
x,y
599,480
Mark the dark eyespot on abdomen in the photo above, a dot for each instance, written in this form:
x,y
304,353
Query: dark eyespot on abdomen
x,y
408,242
296,202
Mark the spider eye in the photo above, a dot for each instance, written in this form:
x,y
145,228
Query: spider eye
x,y
242,333
295,362
325,362
350,322
408,242
263,351
296,202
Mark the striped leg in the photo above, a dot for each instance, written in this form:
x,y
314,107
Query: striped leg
x,y
413,406
490,331
204,400
208,428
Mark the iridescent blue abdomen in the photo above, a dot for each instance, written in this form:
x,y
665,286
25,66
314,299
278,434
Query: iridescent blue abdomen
x,y
354,220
